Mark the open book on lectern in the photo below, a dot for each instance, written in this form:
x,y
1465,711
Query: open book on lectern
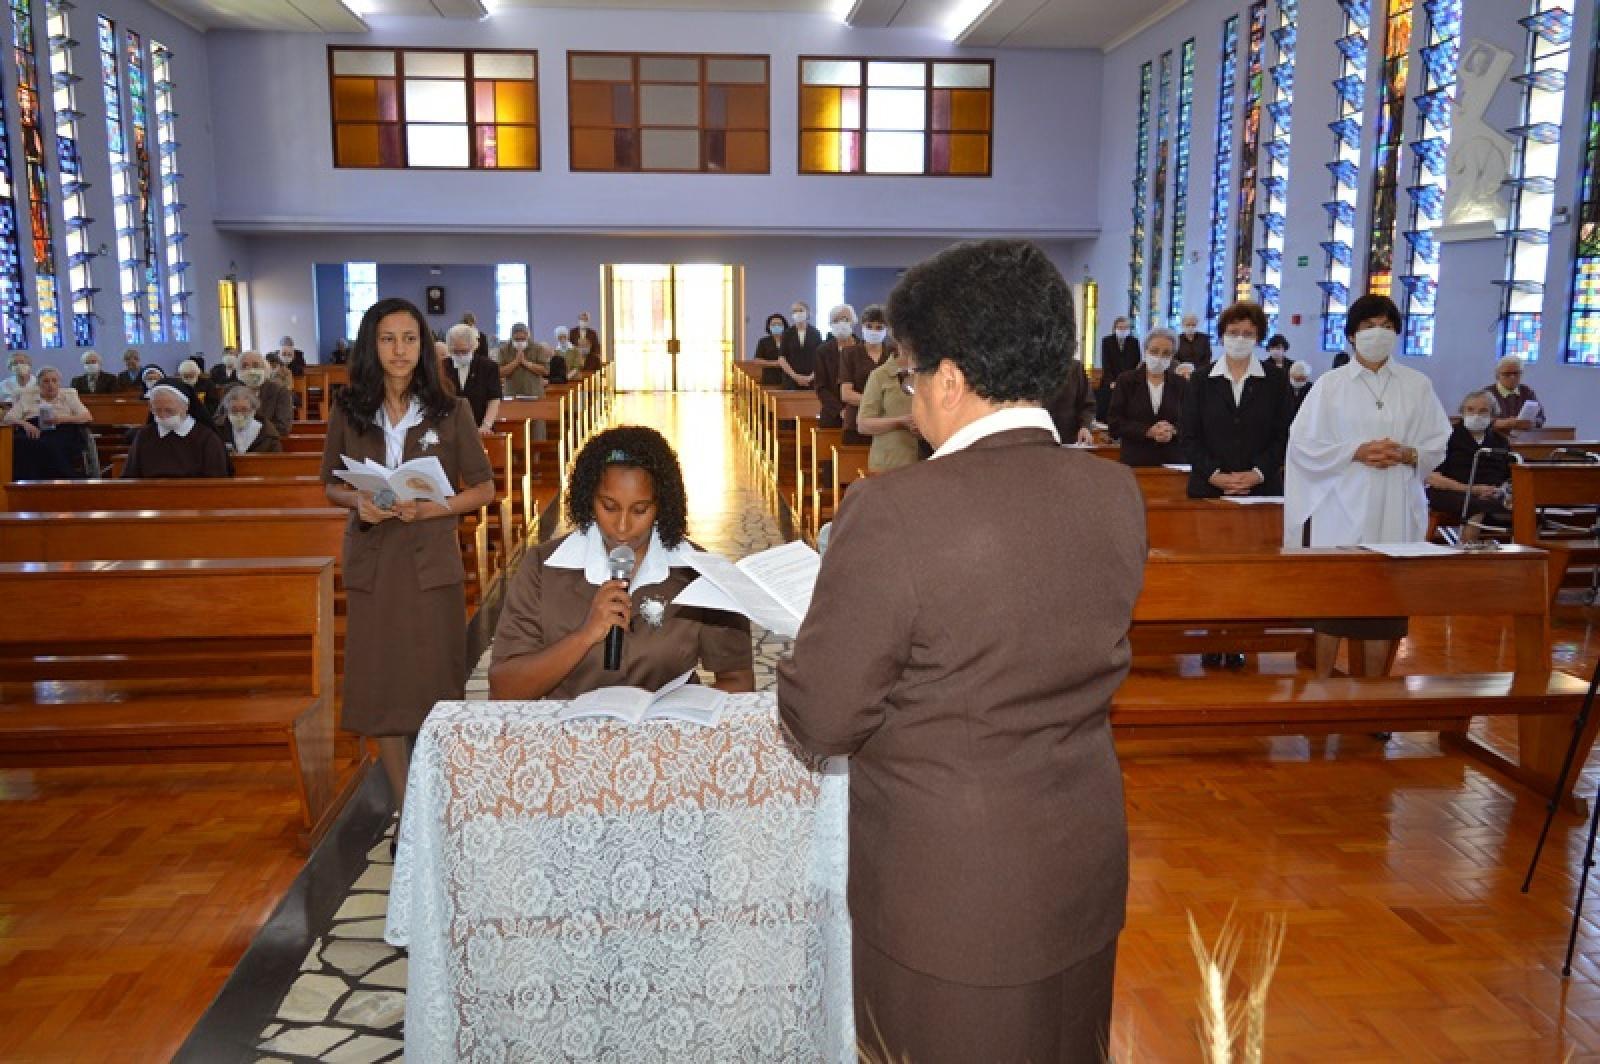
x,y
772,588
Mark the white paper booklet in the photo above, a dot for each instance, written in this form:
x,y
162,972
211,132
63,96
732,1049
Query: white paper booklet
x,y
772,588
1529,411
678,700
1411,550
420,478
1254,500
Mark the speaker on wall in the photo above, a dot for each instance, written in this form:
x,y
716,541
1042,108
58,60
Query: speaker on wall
x,y
435,299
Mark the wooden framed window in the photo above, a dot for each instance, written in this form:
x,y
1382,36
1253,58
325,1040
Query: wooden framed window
x,y
421,108
668,113
902,117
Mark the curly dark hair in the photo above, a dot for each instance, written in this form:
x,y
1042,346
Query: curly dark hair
x,y
998,309
1371,306
1246,312
361,400
637,447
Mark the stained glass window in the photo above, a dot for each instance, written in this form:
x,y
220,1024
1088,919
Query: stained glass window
x,y
129,260
418,108
1141,170
172,232
145,208
695,113
74,214
1158,190
510,296
1275,183
1440,58
1222,174
1386,157
1533,173
1351,92
1583,326
1180,185
908,117
228,307
13,300
47,299
1250,152
360,292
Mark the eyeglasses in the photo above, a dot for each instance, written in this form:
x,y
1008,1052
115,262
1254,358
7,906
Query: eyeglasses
x,y
1511,373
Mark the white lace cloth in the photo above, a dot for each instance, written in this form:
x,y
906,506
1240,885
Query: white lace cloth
x,y
593,892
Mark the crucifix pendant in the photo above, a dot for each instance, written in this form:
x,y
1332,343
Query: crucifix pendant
x,y
1380,404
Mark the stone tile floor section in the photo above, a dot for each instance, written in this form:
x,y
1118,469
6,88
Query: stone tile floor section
x,y
348,1005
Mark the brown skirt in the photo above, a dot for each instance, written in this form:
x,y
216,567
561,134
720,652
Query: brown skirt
x,y
1363,627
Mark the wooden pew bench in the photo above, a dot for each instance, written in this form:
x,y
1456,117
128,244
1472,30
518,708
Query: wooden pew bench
x,y
49,714
1301,585
1535,486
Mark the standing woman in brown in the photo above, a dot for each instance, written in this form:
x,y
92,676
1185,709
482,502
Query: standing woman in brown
x,y
405,642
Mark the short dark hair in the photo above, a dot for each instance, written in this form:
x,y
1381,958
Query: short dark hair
x,y
1371,305
998,309
636,447
779,318
1244,311
874,312
1278,340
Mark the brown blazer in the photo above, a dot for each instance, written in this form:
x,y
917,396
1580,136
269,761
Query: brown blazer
x,y
963,649
1130,417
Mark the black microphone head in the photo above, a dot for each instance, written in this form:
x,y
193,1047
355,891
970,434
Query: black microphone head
x,y
620,562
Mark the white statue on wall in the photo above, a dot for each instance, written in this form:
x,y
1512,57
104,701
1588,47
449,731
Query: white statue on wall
x,y
1479,160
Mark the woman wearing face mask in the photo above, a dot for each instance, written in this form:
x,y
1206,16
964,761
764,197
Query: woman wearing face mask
x,y
1366,439
1448,486
19,379
798,351
242,431
1147,406
1119,353
1236,417
175,442
51,445
405,638
563,356
825,379
189,373
626,490
94,380
225,374
768,351
1299,387
151,376
857,362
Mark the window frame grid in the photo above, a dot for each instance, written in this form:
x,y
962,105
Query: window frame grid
x,y
1422,260
1338,278
1218,282
138,82
352,317
469,81
110,69
1141,176
1578,349
1275,183
928,130
30,129
69,164
638,127
1158,183
1383,228
1255,81
172,234
1180,192
503,321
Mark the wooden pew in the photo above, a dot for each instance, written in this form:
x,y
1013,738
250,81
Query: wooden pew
x,y
1547,434
47,717
849,461
820,449
1204,525
116,409
785,408
304,443
1159,482
1545,450
1536,485
1301,585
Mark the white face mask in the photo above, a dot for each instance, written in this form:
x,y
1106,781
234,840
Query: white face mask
x,y
21,372
254,377
519,345
1238,348
240,421
873,334
231,361
562,343
170,423
840,329
1298,382
461,361
1376,344
1477,422
1122,334
800,317
1188,330
1157,363
191,379
583,323
92,368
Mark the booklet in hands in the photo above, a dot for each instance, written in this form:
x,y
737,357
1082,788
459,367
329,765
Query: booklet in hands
x,y
772,588
678,700
420,478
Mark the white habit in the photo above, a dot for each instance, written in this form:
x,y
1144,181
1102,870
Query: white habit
x,y
1349,502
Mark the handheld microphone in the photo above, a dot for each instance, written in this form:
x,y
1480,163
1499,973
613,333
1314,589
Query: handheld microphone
x,y
619,566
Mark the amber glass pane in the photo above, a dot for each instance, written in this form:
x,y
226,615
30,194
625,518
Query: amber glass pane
x,y
355,99
819,153
960,153
594,149
590,103
515,101
969,110
509,147
356,145
819,107
746,106
746,153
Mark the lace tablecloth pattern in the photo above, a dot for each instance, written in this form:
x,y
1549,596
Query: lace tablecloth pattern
x,y
591,891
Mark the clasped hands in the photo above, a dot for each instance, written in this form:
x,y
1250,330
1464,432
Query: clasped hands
x,y
1382,454
408,511
1162,432
1236,483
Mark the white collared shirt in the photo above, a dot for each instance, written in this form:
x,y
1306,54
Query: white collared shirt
x,y
1219,368
243,438
182,430
1007,419
586,550
1156,390
394,436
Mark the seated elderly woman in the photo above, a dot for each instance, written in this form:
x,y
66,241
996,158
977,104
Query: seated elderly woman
x,y
1457,490
1146,412
626,490
149,377
50,443
243,431
1512,412
176,443
200,383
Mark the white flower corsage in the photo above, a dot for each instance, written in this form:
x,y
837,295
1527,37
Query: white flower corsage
x,y
430,439
654,611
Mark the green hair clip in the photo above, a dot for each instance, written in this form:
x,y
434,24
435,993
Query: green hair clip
x,y
618,455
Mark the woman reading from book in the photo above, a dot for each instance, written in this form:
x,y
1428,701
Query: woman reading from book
x,y
626,491
406,636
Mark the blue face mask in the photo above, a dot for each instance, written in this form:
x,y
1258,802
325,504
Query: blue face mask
x,y
775,329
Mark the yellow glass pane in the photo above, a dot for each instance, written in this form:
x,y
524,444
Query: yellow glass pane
x,y
819,153
356,145
969,153
355,99
969,110
515,101
590,103
518,147
819,107
747,153
594,149
747,106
